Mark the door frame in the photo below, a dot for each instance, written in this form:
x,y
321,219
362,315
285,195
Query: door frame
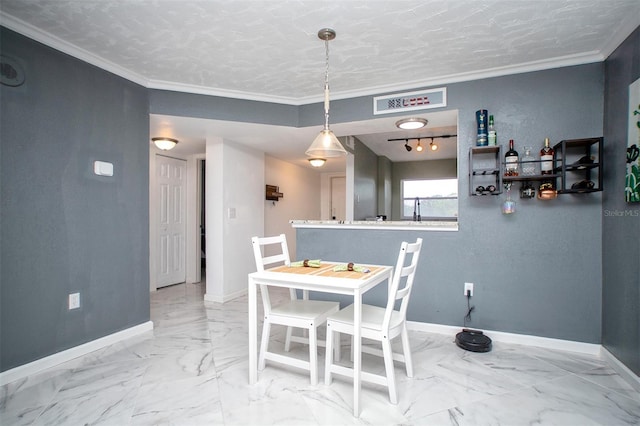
x,y
192,253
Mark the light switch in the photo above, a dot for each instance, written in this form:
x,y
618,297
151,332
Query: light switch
x,y
102,168
232,213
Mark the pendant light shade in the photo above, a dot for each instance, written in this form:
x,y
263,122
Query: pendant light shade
x,y
326,145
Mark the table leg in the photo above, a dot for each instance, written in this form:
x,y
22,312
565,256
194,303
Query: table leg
x,y
253,333
357,351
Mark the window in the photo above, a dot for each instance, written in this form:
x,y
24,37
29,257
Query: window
x,y
433,199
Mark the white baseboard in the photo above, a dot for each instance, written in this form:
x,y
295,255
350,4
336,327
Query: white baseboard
x,y
519,339
225,297
72,353
622,370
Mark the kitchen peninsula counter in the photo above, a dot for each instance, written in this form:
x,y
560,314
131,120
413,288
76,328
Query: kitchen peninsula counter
x,y
377,225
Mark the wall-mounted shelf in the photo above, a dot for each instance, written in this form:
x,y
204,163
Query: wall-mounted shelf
x,y
578,162
273,193
485,169
577,168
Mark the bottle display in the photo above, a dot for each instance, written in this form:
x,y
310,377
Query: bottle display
x,y
481,121
546,157
511,161
492,135
528,162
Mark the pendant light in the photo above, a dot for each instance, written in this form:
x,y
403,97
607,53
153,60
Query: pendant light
x,y
419,147
326,145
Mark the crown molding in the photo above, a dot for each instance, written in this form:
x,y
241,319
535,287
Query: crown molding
x,y
50,40
224,93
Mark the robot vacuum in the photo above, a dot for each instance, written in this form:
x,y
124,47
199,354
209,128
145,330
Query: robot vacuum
x,y
473,340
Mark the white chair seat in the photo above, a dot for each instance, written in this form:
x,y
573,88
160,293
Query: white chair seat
x,y
372,317
308,310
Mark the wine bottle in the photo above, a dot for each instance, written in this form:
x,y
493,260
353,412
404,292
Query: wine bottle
x,y
492,135
546,157
511,161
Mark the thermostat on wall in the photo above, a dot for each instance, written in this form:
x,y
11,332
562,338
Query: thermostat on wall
x,y
102,168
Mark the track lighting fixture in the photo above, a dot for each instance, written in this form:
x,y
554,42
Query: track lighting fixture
x,y
433,146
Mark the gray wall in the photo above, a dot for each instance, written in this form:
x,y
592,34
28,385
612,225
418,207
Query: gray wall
x,y
536,272
429,169
620,234
384,186
64,229
365,182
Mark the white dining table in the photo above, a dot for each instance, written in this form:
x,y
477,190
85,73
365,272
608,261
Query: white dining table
x,y
322,279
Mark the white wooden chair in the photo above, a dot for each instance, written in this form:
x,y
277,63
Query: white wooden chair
x,y
300,313
381,324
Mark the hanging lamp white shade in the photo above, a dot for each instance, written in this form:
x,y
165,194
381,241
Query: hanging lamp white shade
x,y
326,145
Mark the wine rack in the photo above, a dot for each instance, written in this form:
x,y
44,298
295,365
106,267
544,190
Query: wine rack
x,y
577,168
579,165
485,169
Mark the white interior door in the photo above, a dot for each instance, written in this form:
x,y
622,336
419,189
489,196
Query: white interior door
x,y
338,197
172,227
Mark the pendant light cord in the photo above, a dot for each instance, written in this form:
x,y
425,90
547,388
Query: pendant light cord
x,y
326,85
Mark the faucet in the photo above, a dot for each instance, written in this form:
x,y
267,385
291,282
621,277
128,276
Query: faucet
x,y
416,207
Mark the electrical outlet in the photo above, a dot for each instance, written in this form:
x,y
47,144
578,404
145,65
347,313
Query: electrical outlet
x,y
468,287
74,301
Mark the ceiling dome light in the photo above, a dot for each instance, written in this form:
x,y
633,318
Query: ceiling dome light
x,y
317,162
411,123
165,144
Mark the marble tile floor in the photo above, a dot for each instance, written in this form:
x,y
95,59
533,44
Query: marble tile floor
x,y
192,370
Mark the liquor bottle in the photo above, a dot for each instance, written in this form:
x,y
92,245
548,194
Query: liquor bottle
x,y
546,157
511,161
481,120
492,133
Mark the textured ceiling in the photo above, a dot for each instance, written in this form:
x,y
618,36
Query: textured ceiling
x,y
269,50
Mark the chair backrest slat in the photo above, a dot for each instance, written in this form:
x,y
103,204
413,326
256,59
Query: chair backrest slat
x,y
402,281
264,244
